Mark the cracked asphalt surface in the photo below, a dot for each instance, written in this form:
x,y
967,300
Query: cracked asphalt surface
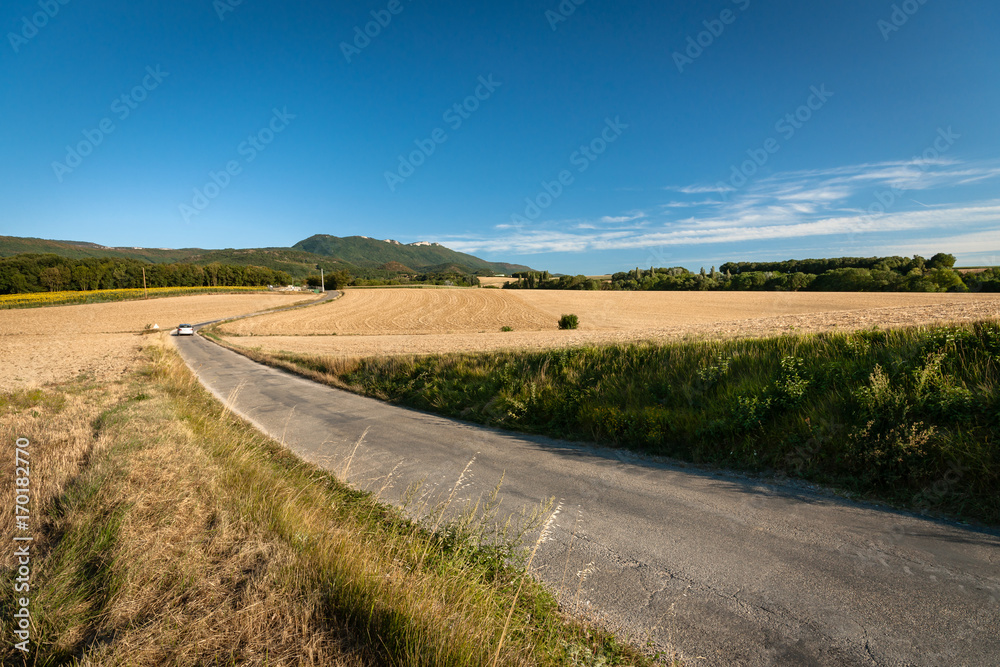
x,y
724,569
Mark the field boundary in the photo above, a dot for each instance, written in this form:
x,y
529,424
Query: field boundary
x,y
328,297
71,298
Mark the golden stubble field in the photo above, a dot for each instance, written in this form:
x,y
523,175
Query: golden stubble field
x,y
102,340
427,321
495,281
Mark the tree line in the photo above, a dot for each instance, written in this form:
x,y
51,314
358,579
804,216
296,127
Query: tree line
x,y
52,273
543,280
897,264
340,279
844,274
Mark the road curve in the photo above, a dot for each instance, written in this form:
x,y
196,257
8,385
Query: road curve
x,y
725,569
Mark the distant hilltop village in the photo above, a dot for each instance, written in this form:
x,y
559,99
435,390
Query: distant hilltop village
x,y
394,242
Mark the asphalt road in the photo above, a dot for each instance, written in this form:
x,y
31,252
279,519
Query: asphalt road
x,y
727,570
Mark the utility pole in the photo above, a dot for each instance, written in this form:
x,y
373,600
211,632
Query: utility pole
x,y
144,290
322,280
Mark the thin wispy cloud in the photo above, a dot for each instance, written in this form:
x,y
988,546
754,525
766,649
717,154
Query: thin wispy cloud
x,y
909,175
691,204
985,217
698,189
789,205
622,218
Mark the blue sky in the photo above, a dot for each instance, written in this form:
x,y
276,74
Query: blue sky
x,y
587,138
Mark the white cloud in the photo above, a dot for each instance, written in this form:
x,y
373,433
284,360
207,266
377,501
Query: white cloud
x,y
985,215
790,205
699,189
691,204
984,243
622,218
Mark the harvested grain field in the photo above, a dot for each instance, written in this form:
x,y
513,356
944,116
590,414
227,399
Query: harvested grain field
x,y
101,340
370,312
373,322
367,312
495,281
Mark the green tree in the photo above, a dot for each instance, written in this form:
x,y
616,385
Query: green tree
x,y
941,261
946,280
52,279
83,276
338,280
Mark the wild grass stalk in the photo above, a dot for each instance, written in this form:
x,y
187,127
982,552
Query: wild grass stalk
x,y
543,535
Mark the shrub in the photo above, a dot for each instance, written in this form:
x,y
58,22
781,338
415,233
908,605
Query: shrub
x,y
569,322
505,329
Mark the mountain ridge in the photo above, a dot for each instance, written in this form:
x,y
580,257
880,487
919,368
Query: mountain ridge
x,y
361,250
358,255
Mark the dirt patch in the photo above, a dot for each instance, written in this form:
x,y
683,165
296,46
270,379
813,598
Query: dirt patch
x,y
30,361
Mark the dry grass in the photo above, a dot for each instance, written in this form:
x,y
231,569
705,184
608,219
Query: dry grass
x,y
59,425
170,532
142,562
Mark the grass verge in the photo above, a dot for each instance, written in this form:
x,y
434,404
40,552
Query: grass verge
x,y
909,416
167,531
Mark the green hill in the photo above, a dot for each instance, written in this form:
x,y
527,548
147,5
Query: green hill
x,y
368,252
296,263
360,256
15,245
396,267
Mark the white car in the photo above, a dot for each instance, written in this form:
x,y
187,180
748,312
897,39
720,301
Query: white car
x,y
185,330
